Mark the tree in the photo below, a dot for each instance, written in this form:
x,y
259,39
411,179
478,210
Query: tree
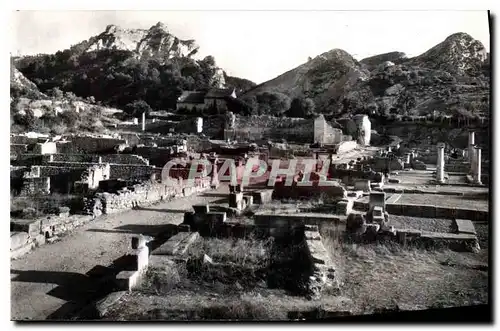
x,y
301,107
137,107
272,103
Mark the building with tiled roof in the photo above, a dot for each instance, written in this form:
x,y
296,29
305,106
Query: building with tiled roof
x,y
201,100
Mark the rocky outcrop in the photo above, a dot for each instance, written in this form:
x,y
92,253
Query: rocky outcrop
x,y
457,54
156,42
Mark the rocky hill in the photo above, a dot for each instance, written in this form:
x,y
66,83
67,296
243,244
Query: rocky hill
x,y
156,42
324,78
394,57
31,110
452,78
120,67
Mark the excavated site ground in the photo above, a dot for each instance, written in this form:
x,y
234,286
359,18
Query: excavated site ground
x,y
53,280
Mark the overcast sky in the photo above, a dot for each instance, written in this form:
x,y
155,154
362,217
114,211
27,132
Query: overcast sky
x,y
259,45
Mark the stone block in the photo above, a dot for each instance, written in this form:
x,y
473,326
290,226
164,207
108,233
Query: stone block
x,y
345,207
377,199
312,235
142,258
177,244
139,241
248,198
18,239
32,227
39,240
201,209
262,196
127,280
235,200
17,253
464,226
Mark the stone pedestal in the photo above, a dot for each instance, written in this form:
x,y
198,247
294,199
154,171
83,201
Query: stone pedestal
x,y
477,166
440,163
471,146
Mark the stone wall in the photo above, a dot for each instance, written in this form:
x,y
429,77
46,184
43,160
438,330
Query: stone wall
x,y
354,175
93,158
24,140
274,128
88,145
125,171
45,148
324,279
157,156
18,148
324,133
148,193
36,185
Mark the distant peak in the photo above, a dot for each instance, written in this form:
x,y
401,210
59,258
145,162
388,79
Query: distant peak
x,y
160,25
459,35
111,28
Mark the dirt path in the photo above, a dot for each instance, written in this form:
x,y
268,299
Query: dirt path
x,y
40,280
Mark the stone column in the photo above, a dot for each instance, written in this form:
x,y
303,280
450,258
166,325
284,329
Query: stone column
x,y
214,181
440,163
471,147
144,121
477,166
408,158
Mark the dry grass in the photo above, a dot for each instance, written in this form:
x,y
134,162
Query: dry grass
x,y
250,251
36,206
383,275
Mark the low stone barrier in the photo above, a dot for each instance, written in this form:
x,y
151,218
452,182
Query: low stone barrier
x,y
38,231
323,279
149,193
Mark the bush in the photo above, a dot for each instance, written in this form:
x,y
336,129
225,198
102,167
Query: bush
x,y
137,108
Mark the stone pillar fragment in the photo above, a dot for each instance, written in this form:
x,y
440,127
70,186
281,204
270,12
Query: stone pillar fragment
x,y
440,163
477,166
471,146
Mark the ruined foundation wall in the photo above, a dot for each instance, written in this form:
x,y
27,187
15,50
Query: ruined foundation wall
x,y
148,193
274,128
125,171
36,185
88,145
93,158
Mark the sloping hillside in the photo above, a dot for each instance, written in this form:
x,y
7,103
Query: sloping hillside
x,y
452,78
323,79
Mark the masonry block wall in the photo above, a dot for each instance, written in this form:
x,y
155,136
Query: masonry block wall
x,y
36,185
148,193
269,127
94,158
157,156
125,171
324,133
18,148
88,145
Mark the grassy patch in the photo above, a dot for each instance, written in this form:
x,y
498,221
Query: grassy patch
x,y
39,205
243,252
